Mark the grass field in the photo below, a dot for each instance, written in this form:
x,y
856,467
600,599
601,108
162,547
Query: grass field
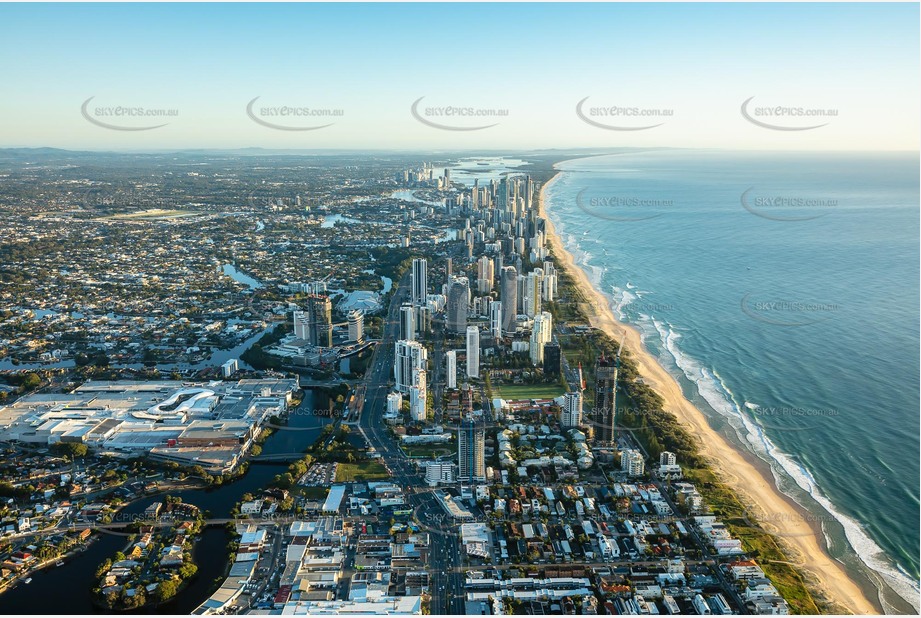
x,y
430,450
528,391
313,493
362,471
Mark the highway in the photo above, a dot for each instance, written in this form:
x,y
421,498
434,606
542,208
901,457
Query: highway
x,y
446,584
377,382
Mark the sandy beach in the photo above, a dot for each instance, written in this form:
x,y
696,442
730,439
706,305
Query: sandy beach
x,y
802,541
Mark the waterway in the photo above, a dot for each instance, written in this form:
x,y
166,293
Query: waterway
x,y
240,277
67,589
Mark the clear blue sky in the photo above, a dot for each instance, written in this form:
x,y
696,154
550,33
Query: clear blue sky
x,y
537,61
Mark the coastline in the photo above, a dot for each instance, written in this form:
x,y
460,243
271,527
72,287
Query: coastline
x,y
742,472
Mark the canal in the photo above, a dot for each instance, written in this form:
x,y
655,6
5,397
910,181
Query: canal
x,y
67,589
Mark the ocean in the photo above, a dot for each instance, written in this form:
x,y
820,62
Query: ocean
x,y
782,291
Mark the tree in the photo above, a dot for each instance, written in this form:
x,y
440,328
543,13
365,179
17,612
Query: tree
x,y
104,568
30,381
135,600
111,598
70,449
187,570
166,590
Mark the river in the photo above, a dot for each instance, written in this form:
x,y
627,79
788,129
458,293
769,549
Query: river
x,y
240,277
74,580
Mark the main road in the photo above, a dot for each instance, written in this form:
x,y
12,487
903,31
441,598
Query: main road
x,y
446,585
377,381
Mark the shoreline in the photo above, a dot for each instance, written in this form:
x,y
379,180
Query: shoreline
x,y
744,473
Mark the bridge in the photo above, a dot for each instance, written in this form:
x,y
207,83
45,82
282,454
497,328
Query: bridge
x,y
279,458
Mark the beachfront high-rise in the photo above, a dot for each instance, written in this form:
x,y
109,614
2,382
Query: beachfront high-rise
x,y
473,352
420,281
531,299
540,335
605,399
501,196
509,296
471,452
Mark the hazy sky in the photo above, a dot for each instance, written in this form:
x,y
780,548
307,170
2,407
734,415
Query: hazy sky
x,y
537,62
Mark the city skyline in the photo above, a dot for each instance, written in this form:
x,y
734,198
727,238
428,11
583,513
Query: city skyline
x,y
220,76
460,308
